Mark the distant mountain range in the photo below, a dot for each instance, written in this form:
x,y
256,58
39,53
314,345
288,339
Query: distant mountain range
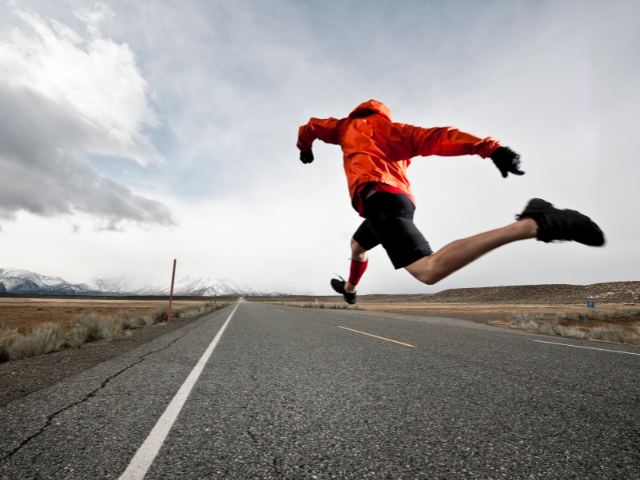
x,y
13,280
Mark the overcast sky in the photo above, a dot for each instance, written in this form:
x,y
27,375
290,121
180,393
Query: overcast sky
x,y
132,133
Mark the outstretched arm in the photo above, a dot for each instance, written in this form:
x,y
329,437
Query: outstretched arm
x,y
449,141
324,130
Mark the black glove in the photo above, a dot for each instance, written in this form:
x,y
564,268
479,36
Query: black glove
x,y
507,161
306,157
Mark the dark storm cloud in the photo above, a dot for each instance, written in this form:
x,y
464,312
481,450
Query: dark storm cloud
x,y
61,98
42,172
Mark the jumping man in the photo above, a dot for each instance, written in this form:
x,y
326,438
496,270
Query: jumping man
x,y
377,153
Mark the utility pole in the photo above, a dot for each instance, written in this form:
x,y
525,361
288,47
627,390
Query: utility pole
x,y
173,277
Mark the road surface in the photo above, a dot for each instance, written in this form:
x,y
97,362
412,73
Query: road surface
x,y
292,393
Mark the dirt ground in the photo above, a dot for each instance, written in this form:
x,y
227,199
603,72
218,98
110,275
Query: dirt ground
x,y
27,313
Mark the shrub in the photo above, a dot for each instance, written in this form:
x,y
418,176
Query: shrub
x,y
134,319
334,306
88,327
598,333
93,322
634,339
602,315
344,306
524,321
571,332
98,327
618,334
111,329
197,309
614,333
159,313
77,336
7,337
550,327
193,310
43,339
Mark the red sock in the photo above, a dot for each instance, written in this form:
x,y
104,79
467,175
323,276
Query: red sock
x,y
356,272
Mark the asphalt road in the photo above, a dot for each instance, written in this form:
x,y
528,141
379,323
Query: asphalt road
x,y
287,393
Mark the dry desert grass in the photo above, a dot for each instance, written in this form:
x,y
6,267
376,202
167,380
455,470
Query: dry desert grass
x,y
620,325
27,313
612,323
86,326
332,306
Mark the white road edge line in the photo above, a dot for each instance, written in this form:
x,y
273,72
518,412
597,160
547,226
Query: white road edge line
x,y
147,452
589,348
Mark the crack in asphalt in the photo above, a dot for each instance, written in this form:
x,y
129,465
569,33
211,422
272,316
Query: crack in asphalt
x,y
277,462
91,394
253,437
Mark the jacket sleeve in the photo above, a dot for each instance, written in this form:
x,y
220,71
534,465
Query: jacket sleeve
x,y
448,142
324,130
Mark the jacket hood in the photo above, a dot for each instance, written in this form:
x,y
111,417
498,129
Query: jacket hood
x,y
372,106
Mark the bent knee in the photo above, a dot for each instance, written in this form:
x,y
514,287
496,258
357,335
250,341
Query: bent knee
x,y
427,277
356,248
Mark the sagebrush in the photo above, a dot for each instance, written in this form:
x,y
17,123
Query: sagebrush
x,y
333,306
609,333
88,327
45,338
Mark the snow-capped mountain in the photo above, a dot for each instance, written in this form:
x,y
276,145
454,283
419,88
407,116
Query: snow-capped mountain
x,y
201,287
115,284
13,280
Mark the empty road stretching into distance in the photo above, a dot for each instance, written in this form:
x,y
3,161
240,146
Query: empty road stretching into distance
x,y
309,393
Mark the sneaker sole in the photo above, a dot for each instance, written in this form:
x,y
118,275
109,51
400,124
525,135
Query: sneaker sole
x,y
581,228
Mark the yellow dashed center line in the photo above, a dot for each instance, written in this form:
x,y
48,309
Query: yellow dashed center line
x,y
381,338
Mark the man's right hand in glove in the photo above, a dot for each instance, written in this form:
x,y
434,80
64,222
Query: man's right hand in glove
x,y
306,157
507,161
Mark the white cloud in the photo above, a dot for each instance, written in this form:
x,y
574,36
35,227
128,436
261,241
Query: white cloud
x,y
62,97
93,17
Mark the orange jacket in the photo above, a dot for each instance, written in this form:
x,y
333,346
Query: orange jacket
x,y
377,150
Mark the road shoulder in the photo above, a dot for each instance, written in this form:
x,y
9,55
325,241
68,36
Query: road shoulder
x,y
26,417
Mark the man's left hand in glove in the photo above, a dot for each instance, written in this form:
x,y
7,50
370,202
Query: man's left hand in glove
x,y
507,161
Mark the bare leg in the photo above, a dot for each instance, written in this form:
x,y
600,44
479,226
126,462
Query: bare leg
x,y
454,256
359,254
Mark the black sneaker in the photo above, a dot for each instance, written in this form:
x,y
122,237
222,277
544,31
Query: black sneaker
x,y
338,286
555,224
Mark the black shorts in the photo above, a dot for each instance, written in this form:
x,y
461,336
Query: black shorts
x,y
389,221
